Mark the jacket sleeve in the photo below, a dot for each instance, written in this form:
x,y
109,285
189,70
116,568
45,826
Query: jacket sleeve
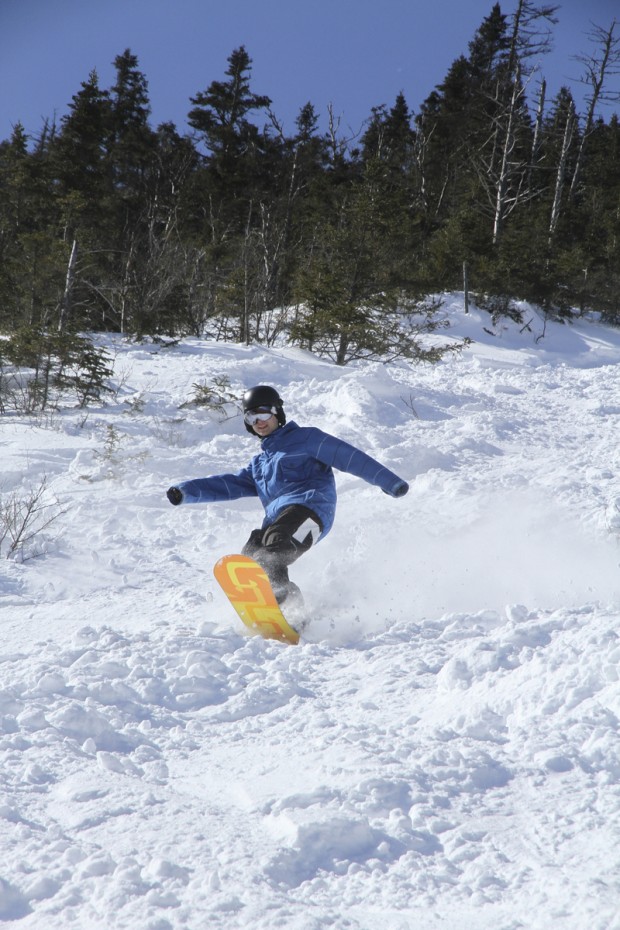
x,y
339,454
218,488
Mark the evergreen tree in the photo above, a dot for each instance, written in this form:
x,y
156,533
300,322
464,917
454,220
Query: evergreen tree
x,y
132,141
79,161
489,47
220,113
390,154
15,218
590,232
132,162
235,191
353,300
239,152
31,272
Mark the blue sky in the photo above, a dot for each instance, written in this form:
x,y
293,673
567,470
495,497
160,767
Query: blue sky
x,y
350,54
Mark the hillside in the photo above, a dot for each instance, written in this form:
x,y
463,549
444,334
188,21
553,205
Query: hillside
x,y
439,752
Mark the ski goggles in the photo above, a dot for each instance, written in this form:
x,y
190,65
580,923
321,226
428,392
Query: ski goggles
x,y
259,415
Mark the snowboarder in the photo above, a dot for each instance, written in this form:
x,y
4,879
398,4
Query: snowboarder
x,y
293,478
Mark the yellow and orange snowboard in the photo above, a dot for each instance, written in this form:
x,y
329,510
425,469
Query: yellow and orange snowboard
x,y
248,589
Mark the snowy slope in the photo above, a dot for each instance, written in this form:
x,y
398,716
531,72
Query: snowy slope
x,y
441,752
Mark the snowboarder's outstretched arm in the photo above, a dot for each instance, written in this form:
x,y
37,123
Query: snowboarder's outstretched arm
x,y
341,455
214,488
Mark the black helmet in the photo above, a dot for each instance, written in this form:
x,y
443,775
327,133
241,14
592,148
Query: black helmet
x,y
263,396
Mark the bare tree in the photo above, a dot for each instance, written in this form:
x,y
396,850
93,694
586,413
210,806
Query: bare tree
x,y
602,64
531,33
540,110
25,519
569,130
65,304
507,193
530,37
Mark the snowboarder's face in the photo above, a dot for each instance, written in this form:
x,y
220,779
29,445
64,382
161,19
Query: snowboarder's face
x,y
262,420
265,427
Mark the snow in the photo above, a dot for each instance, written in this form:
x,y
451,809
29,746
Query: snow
x,y
441,751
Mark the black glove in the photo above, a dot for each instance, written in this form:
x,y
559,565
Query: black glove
x,y
174,495
400,490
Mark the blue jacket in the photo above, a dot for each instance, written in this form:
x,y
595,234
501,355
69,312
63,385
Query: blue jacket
x,y
294,466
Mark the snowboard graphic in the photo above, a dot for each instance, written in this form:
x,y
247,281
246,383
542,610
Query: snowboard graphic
x,y
248,589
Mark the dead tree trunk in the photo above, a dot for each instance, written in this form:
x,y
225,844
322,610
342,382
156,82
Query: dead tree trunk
x,y
561,172
598,69
65,303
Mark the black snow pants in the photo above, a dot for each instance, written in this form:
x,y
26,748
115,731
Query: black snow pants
x,y
278,545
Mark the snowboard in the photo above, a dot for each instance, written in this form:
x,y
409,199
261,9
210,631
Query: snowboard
x,y
248,589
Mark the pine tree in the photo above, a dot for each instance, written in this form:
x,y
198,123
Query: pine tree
x,y
390,154
31,272
79,160
591,231
234,193
220,113
132,141
15,218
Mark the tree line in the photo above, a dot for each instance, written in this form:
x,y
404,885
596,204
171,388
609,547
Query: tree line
x,y
239,230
